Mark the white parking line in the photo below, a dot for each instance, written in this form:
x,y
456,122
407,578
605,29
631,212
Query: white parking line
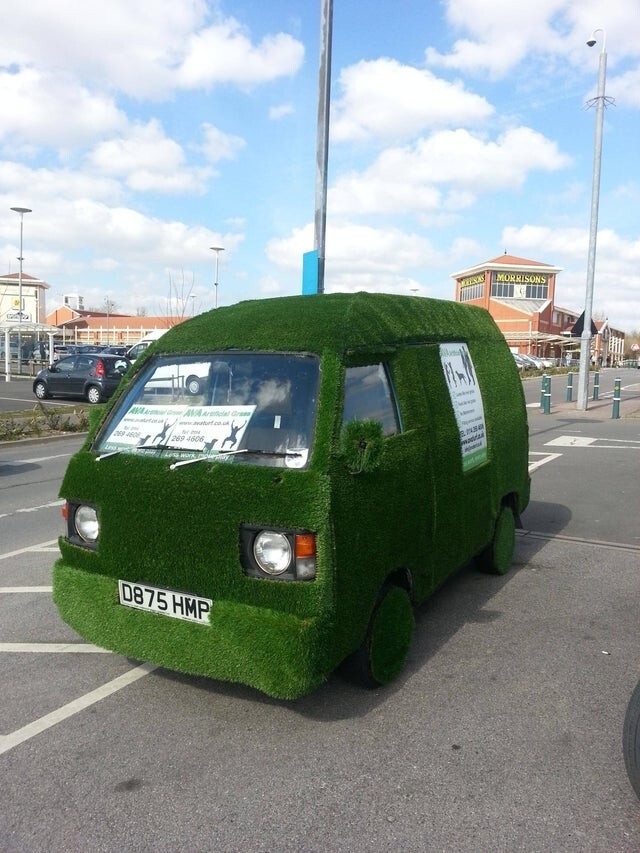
x,y
596,443
19,736
43,546
25,589
547,457
32,509
15,463
54,648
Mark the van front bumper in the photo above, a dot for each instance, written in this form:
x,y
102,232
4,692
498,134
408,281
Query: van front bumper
x,y
281,654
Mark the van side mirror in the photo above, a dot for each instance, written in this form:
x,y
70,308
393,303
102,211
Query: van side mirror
x,y
361,445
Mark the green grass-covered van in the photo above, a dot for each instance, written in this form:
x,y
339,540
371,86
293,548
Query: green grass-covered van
x,y
276,484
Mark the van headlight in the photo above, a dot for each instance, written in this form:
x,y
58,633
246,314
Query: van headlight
x,y
83,526
278,554
272,552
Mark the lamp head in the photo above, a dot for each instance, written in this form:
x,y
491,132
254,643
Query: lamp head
x,y
591,42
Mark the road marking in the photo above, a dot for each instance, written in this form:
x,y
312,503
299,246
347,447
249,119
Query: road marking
x,y
8,589
19,736
547,457
597,543
14,463
43,546
31,509
53,648
583,441
570,441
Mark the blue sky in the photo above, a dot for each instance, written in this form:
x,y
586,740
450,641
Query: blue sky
x,y
141,134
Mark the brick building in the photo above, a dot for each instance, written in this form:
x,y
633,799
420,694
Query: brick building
x,y
520,296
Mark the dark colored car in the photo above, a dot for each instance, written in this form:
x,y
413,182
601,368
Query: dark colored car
x,y
92,348
116,350
61,350
92,376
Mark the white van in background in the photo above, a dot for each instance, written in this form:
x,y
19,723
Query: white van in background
x,y
138,348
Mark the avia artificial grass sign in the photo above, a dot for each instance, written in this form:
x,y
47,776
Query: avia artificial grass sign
x,y
276,484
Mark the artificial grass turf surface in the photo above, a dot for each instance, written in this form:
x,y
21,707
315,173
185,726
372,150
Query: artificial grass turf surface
x,y
412,509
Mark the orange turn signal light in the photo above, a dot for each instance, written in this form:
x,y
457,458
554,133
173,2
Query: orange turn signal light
x,y
305,545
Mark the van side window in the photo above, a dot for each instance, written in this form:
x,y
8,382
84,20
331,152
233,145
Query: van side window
x,y
368,397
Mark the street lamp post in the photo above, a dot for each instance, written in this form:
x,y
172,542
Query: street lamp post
x,y
322,141
217,250
585,341
21,211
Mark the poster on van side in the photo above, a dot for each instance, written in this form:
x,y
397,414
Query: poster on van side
x,y
466,400
200,429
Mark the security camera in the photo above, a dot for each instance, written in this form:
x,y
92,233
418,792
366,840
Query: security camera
x,y
591,42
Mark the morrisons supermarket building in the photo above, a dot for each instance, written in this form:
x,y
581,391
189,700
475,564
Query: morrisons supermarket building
x,y
520,296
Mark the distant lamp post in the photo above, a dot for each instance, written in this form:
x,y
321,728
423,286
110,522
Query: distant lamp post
x,y
193,305
217,250
21,211
585,342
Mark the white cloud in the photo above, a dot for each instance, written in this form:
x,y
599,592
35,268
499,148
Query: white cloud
x,y
223,53
359,257
53,109
219,145
53,185
280,111
617,276
448,169
499,35
386,100
146,49
148,161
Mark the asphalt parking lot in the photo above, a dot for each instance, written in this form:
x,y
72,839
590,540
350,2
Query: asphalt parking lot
x,y
504,732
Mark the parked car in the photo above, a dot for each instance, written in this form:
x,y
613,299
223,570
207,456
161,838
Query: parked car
x,y
521,363
61,350
115,350
92,348
94,376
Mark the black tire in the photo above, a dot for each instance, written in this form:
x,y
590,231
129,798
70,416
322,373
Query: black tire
x,y
40,390
193,385
93,394
631,740
383,653
497,557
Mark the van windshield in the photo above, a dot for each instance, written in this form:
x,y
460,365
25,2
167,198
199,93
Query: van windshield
x,y
254,408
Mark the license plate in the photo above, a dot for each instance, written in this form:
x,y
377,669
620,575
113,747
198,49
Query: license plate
x,y
178,605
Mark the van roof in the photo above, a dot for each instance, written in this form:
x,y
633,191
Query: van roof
x,y
338,321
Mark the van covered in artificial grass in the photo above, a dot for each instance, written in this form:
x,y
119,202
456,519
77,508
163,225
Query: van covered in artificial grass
x,y
277,483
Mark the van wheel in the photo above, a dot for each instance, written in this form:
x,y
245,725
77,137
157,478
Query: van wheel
x,y
40,390
193,385
383,653
93,394
497,557
631,739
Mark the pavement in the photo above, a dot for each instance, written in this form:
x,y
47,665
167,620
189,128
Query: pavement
x,y
599,409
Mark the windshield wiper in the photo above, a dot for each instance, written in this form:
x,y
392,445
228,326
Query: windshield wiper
x,y
280,454
107,455
203,458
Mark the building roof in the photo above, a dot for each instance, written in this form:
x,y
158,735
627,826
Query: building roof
x,y
512,260
525,306
14,278
507,262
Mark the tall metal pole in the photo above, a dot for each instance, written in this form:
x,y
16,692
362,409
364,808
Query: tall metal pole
x,y
585,343
322,144
217,250
21,211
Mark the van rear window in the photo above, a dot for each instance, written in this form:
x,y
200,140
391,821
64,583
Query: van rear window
x,y
257,408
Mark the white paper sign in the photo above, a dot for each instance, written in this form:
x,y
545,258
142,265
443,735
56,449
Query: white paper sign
x,y
201,429
467,403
